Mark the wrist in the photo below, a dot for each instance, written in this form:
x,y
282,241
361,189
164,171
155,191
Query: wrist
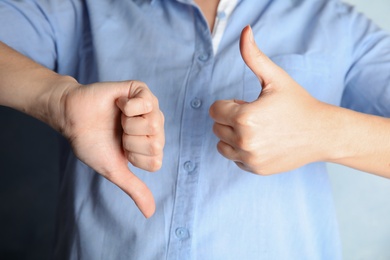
x,y
53,101
334,138
347,128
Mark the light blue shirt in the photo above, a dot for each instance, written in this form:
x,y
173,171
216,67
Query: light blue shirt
x,y
207,208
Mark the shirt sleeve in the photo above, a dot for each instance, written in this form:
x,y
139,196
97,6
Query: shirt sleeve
x,y
26,28
367,83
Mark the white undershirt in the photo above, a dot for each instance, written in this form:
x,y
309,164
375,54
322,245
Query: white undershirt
x,y
225,9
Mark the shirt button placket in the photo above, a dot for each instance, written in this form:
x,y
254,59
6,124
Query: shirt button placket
x,y
191,139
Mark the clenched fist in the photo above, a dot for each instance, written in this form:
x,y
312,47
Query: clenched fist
x,y
109,124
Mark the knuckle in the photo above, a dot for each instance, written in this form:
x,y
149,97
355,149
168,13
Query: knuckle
x,y
155,100
243,142
212,110
221,148
252,163
154,127
243,119
155,148
258,166
251,160
155,164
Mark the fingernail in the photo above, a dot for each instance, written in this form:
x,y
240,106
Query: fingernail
x,y
240,102
251,39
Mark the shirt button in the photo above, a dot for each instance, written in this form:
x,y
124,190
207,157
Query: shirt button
x,y
189,166
196,103
203,57
182,233
221,15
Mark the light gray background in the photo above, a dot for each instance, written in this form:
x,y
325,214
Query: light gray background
x,y
363,200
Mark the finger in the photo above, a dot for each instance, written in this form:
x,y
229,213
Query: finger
x,y
145,145
240,102
149,124
134,106
139,89
224,111
225,133
256,60
145,162
243,166
136,189
228,151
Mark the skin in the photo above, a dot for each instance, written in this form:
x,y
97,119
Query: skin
x,y
209,10
125,118
295,128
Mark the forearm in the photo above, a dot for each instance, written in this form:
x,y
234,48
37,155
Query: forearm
x,y
361,141
31,88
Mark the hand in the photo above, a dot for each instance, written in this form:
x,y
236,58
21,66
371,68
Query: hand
x,y
281,130
109,124
90,118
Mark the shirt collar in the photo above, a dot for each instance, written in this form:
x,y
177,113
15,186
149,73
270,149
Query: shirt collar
x,y
144,1
182,1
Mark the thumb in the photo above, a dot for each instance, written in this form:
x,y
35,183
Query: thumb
x,y
255,59
136,189
135,100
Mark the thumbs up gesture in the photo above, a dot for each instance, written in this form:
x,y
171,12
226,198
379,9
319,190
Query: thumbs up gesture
x,y
279,131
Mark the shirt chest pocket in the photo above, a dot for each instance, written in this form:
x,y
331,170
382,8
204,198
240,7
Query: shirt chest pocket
x,y
311,71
